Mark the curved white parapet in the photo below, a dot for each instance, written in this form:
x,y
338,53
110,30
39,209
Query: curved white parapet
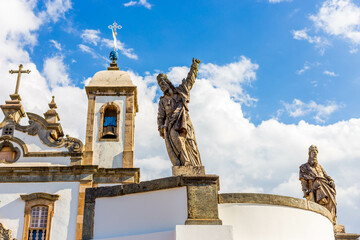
x,y
272,217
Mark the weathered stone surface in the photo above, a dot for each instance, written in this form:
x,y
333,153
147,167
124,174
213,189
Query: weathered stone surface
x,y
174,122
316,184
188,170
5,234
339,228
346,236
258,198
72,173
202,204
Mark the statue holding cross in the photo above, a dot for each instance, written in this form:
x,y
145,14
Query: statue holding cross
x,y
19,72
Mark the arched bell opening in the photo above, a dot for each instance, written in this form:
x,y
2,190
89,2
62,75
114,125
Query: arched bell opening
x,y
109,123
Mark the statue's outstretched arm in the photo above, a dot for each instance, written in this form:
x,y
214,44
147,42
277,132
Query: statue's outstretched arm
x,y
188,83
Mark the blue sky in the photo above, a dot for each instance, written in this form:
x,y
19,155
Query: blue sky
x,y
276,77
167,33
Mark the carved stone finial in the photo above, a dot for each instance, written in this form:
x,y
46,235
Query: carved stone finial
x,y
51,115
52,104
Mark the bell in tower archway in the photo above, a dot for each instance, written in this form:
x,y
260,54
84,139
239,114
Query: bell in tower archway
x,y
110,123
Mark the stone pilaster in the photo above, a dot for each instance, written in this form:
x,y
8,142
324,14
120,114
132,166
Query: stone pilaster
x,y
128,155
88,154
81,205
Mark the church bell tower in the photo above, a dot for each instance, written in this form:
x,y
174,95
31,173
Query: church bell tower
x,y
112,106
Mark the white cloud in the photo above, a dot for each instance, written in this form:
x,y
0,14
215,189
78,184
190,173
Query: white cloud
x,y
332,74
307,66
131,3
88,49
56,71
335,18
321,112
289,187
232,77
56,44
143,3
320,42
304,69
55,9
353,50
128,52
339,18
91,36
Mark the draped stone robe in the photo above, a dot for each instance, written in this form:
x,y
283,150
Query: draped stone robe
x,y
179,132
320,186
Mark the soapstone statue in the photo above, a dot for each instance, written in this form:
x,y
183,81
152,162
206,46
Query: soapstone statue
x,y
316,184
174,122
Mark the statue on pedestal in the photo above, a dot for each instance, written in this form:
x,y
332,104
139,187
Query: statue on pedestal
x,y
316,184
174,122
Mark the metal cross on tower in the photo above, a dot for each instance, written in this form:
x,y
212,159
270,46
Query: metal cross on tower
x,y
113,27
19,72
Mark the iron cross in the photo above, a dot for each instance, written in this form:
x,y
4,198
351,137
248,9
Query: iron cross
x,y
19,72
115,26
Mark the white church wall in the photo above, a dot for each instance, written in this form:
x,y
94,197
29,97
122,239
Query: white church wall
x,y
257,221
109,154
140,213
34,143
208,232
63,225
167,235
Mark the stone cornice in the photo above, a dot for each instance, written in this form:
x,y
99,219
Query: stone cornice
x,y
69,174
277,200
148,186
40,195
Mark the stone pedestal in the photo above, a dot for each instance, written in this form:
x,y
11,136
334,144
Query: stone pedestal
x,y
188,170
339,228
340,233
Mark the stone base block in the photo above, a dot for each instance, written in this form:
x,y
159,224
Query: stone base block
x,y
188,170
203,222
339,228
346,236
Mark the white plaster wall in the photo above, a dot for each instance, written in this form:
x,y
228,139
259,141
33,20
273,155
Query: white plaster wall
x,y
168,235
141,213
33,143
12,208
208,232
109,154
258,222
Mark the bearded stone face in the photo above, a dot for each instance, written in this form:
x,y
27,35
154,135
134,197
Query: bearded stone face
x,y
164,86
313,157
